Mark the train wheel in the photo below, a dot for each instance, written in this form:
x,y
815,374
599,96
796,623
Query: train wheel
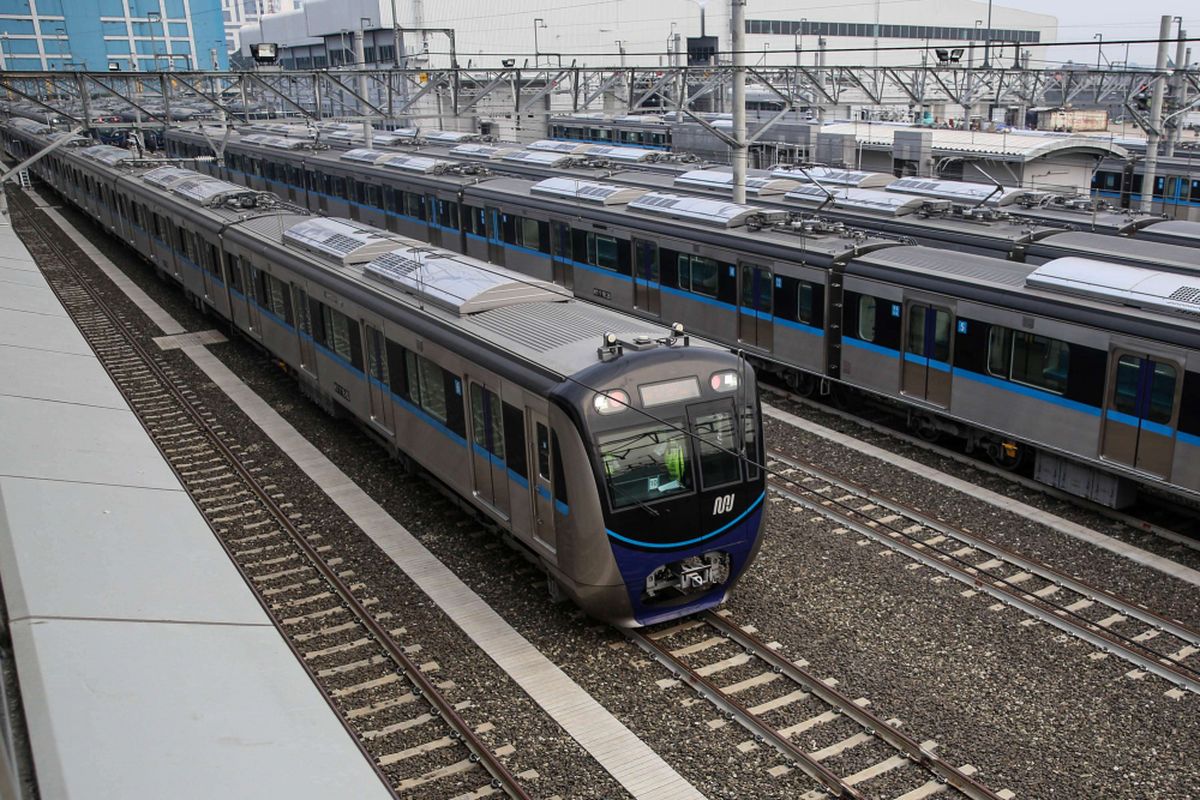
x,y
925,427
801,383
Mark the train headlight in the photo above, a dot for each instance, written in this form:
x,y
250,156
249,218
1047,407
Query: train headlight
x,y
610,401
724,381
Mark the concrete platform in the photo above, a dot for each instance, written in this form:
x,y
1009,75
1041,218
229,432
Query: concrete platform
x,y
147,667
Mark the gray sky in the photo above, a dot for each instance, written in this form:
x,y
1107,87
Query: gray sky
x,y
1082,19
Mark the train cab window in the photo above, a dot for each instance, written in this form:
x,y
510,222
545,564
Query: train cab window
x,y
646,463
866,318
750,442
514,435
716,447
698,275
560,478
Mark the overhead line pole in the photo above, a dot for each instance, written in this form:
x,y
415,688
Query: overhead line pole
x,y
1154,135
739,100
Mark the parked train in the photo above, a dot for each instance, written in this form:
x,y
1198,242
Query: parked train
x,y
622,455
1080,376
1015,223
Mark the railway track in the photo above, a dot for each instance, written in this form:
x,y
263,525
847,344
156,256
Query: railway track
x,y
1149,641
417,740
779,703
1173,522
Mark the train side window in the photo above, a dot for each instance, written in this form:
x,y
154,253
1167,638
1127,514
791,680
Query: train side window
x,y
1040,362
999,351
534,234
866,318
698,275
431,386
602,251
543,451
448,213
514,436
804,302
340,336
235,272
414,205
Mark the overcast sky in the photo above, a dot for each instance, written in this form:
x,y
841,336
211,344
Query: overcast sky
x,y
1080,20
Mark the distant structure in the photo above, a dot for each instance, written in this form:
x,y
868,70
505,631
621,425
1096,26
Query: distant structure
x,y
778,33
239,13
116,35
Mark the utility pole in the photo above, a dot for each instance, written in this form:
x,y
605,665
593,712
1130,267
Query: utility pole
x,y
1179,89
739,100
1154,135
360,58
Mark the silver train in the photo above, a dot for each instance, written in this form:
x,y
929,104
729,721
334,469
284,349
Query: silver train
x,y
618,453
1097,380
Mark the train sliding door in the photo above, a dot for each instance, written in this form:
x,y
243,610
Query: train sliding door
x,y
308,354
756,322
495,237
645,277
487,448
1141,411
926,365
379,381
560,248
541,486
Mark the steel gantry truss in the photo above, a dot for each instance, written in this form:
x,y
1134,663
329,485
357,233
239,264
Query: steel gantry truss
x,y
155,99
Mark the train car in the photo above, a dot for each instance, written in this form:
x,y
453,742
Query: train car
x,y
1176,192
776,289
1094,366
623,456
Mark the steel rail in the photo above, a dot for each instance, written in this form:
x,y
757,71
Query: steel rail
x,y
1044,571
422,685
952,775
1182,676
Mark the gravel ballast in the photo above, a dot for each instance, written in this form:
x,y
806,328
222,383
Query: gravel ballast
x,y
1026,705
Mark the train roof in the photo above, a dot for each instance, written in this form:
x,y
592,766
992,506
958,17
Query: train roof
x,y
1180,231
538,322
756,184
1118,284
845,197
1081,215
1176,258
964,192
834,176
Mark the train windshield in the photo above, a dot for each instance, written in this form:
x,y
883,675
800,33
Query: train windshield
x,y
647,463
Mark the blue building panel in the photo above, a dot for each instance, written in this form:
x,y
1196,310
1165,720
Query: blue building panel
x,y
101,35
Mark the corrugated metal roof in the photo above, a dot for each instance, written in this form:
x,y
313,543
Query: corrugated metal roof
x,y
972,268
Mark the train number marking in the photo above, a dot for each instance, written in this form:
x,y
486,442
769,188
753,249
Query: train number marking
x,y
341,391
603,294
722,505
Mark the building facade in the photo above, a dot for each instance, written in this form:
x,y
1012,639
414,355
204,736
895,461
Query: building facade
x,y
115,35
778,32
237,14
